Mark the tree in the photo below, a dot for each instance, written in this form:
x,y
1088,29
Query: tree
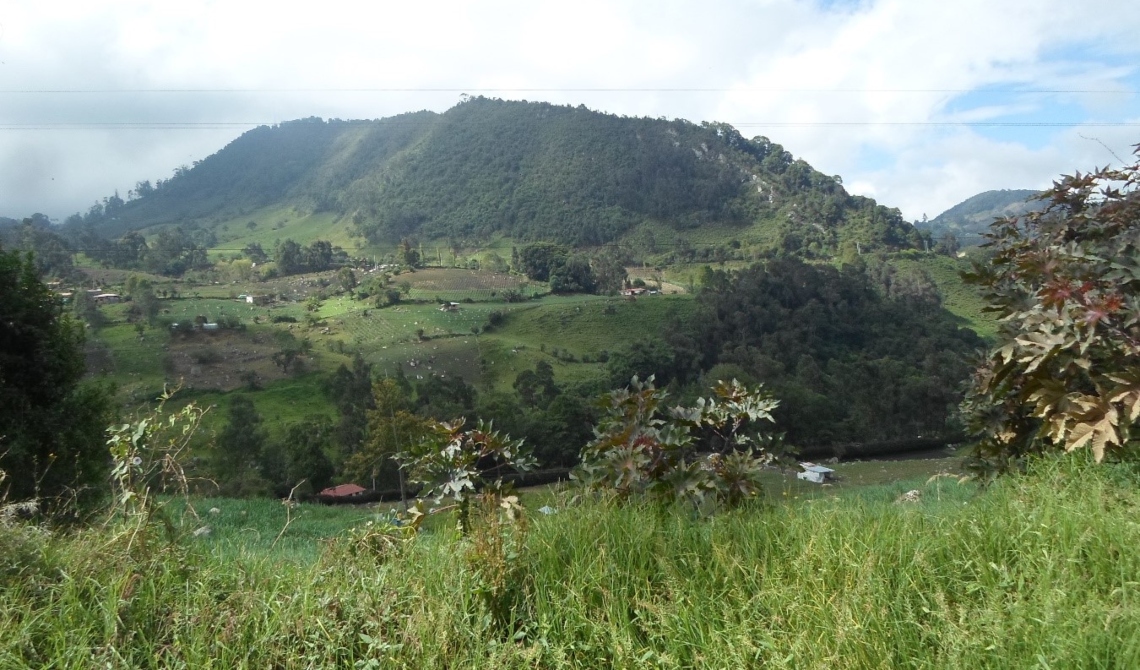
x,y
347,279
305,458
52,253
351,392
290,257
174,252
254,252
142,189
536,387
239,448
643,358
144,304
52,426
947,244
1065,284
409,253
128,252
574,275
540,259
609,271
319,256
391,428
84,307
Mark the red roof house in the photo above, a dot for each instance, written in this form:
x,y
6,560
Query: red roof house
x,y
343,491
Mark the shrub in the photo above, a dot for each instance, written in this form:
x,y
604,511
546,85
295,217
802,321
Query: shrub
x,y
1066,287
453,463
643,448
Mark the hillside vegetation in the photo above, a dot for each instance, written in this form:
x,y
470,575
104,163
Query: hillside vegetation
x,y
1030,572
967,220
423,247
527,171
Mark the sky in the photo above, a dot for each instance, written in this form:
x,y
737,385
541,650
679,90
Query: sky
x,y
917,104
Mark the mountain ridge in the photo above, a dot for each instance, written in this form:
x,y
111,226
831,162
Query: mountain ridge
x,y
528,171
970,218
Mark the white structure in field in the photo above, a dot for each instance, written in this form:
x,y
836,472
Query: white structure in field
x,y
815,473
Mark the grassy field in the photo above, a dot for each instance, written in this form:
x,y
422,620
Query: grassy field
x,y
281,223
450,284
961,300
135,363
1035,571
570,332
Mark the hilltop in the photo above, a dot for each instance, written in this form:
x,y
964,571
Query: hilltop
x,y
970,218
489,169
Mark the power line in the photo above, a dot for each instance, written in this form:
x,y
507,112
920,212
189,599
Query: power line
x,y
137,125
224,125
967,124
247,91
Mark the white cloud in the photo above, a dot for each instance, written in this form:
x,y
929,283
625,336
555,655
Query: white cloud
x,y
770,61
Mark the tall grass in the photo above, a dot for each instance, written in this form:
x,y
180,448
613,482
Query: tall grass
x,y
1037,571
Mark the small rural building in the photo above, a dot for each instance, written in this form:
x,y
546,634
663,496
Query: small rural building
x,y
630,292
815,473
449,307
343,492
108,298
258,299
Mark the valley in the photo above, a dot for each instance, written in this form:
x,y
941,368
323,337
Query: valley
x,y
528,336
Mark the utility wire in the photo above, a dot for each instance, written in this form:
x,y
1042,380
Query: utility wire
x,y
222,125
259,91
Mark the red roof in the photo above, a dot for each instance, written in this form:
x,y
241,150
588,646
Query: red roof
x,y
344,490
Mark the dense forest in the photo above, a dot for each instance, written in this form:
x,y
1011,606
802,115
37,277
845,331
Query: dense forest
x,y
820,338
529,171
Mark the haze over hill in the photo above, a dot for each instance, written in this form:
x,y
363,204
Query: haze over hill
x,y
970,218
529,171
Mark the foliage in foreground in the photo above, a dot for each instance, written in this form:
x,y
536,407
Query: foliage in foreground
x,y
642,447
457,464
1065,283
1037,570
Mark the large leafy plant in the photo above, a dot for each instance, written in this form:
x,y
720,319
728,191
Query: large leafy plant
x,y
455,464
640,446
1065,283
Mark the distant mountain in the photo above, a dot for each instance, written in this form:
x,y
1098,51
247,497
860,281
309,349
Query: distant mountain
x,y
970,218
528,171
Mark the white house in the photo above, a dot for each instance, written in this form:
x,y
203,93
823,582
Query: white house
x,y
815,473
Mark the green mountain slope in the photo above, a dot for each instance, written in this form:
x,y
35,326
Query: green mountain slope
x,y
490,168
970,218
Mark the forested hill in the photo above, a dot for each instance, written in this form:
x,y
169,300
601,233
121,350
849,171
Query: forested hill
x,y
970,218
530,171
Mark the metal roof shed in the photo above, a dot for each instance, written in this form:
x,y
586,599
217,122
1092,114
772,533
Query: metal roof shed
x,y
815,473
